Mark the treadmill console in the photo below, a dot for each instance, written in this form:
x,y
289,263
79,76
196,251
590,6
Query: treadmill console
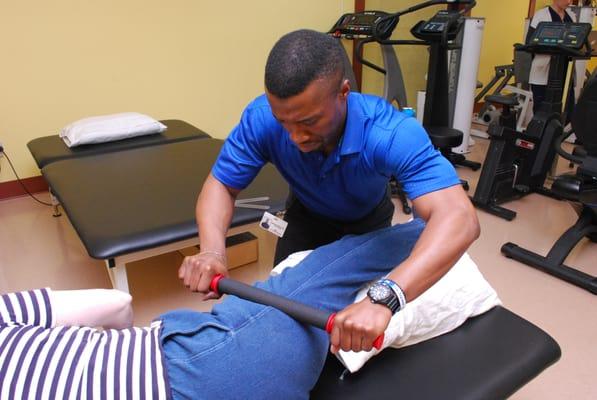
x,y
361,25
558,34
444,24
439,22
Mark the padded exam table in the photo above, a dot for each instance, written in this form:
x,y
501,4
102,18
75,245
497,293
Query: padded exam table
x,y
137,202
133,199
490,356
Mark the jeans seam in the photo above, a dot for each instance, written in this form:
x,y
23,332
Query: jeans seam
x,y
204,352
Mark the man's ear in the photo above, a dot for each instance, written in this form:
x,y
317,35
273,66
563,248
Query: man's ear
x,y
344,88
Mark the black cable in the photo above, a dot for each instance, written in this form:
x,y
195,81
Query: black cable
x,y
21,182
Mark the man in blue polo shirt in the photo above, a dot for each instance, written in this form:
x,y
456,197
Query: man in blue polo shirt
x,y
337,150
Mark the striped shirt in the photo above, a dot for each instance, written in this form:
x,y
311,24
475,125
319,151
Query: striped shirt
x,y
39,360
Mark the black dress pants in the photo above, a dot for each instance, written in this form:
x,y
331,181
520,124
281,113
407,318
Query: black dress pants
x,y
306,230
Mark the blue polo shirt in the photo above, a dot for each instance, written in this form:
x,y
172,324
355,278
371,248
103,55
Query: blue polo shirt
x,y
378,142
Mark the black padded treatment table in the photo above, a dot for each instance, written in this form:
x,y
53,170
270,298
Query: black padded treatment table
x,y
489,357
131,204
48,149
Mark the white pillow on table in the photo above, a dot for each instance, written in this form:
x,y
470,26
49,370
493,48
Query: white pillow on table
x,y
107,128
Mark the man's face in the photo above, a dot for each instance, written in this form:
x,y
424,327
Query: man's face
x,y
314,118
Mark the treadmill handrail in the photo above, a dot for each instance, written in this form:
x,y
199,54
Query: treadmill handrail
x,y
553,49
362,60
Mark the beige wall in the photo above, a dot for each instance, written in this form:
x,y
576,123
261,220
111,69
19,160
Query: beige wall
x,y
64,60
504,26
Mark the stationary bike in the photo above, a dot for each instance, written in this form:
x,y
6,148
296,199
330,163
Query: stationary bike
x,y
517,163
580,188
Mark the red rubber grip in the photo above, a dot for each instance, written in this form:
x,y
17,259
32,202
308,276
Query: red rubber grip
x,y
213,286
377,343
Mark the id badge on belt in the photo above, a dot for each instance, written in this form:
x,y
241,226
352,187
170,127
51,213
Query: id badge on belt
x,y
273,224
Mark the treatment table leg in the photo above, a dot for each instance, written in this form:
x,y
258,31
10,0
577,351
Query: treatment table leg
x,y
55,204
117,273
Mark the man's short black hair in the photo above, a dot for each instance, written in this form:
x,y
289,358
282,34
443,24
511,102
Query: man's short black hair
x,y
299,58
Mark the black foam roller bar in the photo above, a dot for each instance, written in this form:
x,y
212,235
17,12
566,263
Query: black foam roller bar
x,y
296,310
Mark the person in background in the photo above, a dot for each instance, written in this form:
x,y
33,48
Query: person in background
x,y
556,12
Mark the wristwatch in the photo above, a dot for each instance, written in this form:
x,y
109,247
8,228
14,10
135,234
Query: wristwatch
x,y
381,293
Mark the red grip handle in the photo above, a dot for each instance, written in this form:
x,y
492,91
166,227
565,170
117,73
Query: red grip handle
x,y
213,285
377,343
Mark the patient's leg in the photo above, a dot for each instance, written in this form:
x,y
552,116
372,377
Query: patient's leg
x,y
108,308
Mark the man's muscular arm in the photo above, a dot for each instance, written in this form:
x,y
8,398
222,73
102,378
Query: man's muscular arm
x,y
451,227
214,210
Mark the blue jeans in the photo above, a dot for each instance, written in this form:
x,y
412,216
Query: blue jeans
x,y
243,350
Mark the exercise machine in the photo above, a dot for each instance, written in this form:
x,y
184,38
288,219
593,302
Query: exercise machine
x,y
443,102
358,27
517,163
579,187
502,76
500,83
440,33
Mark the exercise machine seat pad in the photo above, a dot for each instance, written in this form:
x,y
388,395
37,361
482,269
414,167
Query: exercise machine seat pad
x,y
503,100
48,149
137,199
444,137
488,357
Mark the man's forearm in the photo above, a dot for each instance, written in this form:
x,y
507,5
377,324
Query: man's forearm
x,y
445,238
214,210
441,244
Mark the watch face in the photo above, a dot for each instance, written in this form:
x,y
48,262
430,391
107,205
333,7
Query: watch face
x,y
379,292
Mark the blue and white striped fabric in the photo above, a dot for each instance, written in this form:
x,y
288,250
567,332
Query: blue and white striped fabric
x,y
41,361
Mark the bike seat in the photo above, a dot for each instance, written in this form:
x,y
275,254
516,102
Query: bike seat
x,y
503,100
444,137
